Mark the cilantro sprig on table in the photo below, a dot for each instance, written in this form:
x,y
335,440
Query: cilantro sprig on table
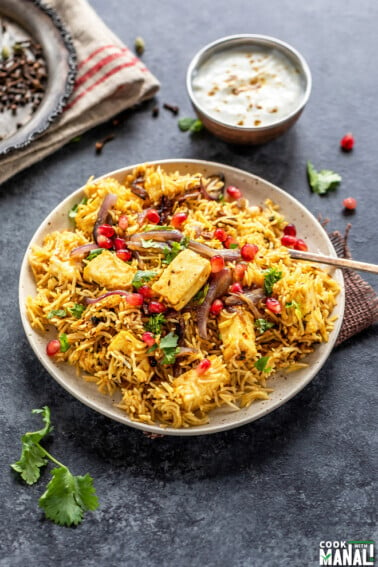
x,y
322,181
67,497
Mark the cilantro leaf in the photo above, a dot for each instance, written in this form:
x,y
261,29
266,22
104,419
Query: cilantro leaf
x,y
149,227
263,325
77,310
168,345
261,364
322,181
56,313
143,276
67,497
32,456
233,246
297,308
94,253
271,276
155,323
176,247
73,211
201,294
64,344
190,124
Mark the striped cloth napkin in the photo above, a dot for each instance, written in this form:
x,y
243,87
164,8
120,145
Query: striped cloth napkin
x,y
110,78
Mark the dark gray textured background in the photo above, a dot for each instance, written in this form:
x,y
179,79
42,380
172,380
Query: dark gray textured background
x,y
265,494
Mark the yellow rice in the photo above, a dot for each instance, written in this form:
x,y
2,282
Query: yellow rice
x,y
306,293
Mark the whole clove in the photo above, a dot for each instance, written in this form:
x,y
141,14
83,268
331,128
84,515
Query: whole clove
x,y
172,108
23,75
99,146
155,112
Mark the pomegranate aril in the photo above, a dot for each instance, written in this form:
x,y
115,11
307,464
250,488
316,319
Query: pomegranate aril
x,y
119,243
53,347
203,366
148,338
146,291
273,305
156,307
216,307
230,242
249,251
236,288
123,222
217,264
288,240
104,242
220,234
134,299
347,142
300,245
124,255
178,219
106,230
350,203
290,230
239,271
153,216
234,192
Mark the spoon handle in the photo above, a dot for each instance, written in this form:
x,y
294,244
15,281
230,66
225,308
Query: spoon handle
x,y
338,262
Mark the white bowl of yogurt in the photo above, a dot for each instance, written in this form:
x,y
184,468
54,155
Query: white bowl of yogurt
x,y
248,89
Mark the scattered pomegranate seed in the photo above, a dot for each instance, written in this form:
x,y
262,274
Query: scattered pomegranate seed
x,y
124,255
153,216
230,242
239,271
300,245
178,219
119,243
135,299
290,230
149,339
347,142
236,288
350,203
273,305
123,222
216,307
203,366
156,307
249,251
288,240
104,242
217,264
234,192
146,291
220,234
53,347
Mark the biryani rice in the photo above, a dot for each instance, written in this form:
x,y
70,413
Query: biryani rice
x,y
105,341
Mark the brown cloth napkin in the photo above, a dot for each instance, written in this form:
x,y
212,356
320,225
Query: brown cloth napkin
x,y
110,78
361,301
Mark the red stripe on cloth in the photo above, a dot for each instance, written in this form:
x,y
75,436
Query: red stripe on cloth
x,y
101,80
93,70
95,52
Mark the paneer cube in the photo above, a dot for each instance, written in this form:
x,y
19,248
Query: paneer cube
x,y
135,352
109,272
237,334
192,391
181,280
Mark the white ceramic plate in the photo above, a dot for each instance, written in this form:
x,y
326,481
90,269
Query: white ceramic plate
x,y
285,387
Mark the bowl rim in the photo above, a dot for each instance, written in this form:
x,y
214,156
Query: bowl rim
x,y
210,428
249,38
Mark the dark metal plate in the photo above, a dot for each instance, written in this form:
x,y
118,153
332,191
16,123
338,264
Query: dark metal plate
x,y
44,26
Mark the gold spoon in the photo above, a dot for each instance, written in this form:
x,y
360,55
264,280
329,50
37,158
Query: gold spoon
x,y
338,262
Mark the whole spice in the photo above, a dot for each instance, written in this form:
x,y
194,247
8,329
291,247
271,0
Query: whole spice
x,y
99,146
172,108
23,76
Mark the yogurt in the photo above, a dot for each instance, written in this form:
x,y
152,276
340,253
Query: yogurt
x,y
248,86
